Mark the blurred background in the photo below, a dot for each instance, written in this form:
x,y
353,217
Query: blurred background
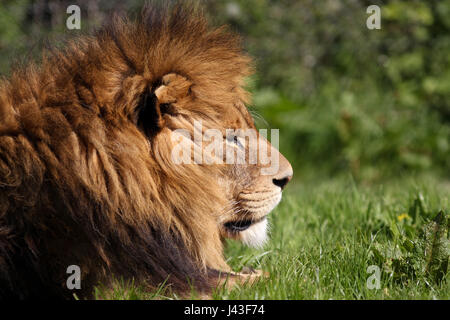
x,y
373,104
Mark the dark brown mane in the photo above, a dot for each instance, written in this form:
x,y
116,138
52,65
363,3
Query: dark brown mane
x,y
77,184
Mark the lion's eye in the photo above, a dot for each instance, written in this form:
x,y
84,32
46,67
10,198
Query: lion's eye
x,y
235,140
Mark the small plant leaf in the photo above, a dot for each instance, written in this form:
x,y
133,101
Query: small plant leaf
x,y
437,246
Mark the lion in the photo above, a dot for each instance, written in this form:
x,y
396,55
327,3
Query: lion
x,y
87,172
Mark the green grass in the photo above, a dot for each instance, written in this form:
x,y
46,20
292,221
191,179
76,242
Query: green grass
x,y
324,237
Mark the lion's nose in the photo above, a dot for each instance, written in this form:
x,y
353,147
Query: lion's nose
x,y
282,182
283,178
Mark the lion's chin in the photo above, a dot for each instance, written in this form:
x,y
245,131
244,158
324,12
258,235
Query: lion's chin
x,y
256,235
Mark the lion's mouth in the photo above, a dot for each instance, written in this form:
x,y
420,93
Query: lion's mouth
x,y
240,225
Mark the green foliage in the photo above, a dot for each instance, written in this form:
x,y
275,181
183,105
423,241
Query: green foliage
x,y
408,255
372,102
12,38
437,246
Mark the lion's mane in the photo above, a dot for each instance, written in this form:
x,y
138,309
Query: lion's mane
x,y
81,185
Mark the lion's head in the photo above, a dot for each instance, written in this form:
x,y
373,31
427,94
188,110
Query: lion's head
x,y
131,153
224,142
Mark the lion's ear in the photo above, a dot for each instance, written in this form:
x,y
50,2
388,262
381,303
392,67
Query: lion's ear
x,y
153,106
173,87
